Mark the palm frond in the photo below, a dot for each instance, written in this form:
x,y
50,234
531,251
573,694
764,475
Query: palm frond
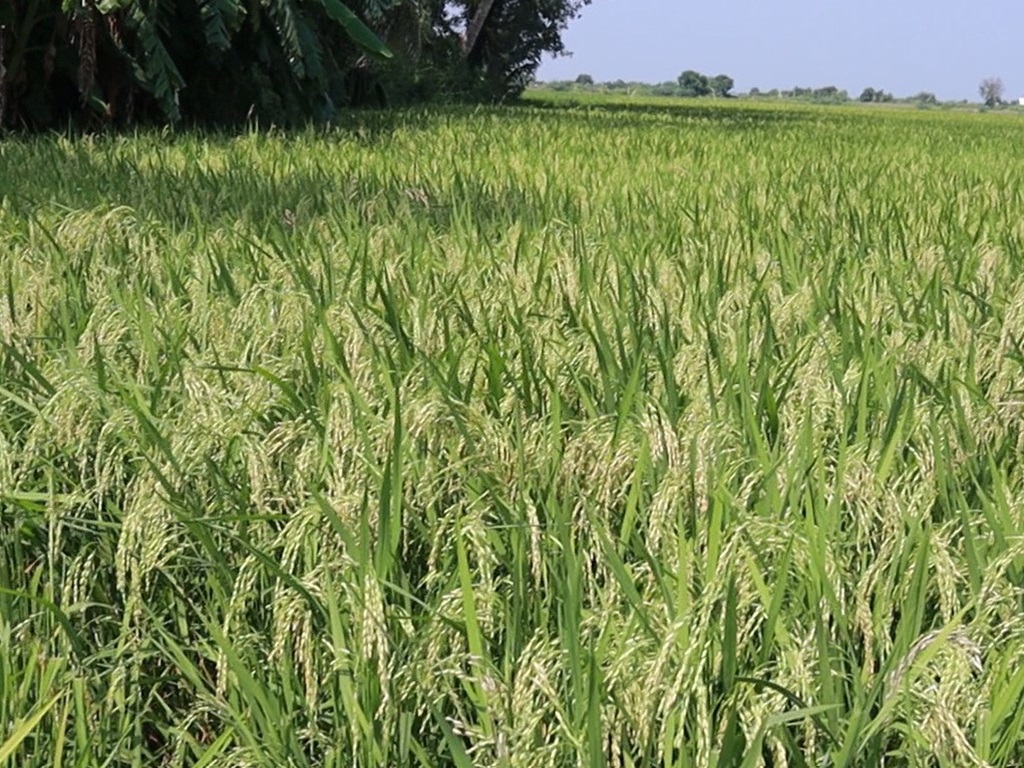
x,y
284,16
355,28
221,19
85,33
3,75
157,70
312,50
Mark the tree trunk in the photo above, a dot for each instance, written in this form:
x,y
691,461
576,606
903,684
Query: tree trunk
x,y
476,26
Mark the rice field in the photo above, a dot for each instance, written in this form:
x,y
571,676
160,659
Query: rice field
x,y
601,435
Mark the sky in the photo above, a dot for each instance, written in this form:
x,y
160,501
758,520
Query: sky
x,y
903,46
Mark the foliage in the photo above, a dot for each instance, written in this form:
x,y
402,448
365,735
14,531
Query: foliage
x,y
873,95
653,435
720,85
276,61
991,91
128,59
692,83
517,34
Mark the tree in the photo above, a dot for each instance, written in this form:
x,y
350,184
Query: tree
x,y
873,95
584,80
475,26
122,58
465,49
282,61
692,83
991,91
516,34
720,85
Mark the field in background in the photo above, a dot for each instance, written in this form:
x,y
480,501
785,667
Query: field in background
x,y
548,93
539,436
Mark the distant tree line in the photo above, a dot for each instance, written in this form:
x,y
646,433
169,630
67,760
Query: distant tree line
x,y
694,84
689,84
283,61
872,95
828,94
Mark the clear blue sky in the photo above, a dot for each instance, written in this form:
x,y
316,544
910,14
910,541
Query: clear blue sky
x,y
903,46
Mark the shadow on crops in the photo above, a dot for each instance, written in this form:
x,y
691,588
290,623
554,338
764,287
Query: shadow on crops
x,y
378,125
727,116
100,174
197,198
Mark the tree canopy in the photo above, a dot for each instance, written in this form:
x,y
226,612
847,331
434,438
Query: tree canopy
x,y
991,91
280,60
692,83
720,85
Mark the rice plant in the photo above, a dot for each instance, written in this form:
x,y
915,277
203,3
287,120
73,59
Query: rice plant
x,y
607,434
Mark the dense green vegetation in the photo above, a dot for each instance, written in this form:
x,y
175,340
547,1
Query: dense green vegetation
x,y
286,62
672,435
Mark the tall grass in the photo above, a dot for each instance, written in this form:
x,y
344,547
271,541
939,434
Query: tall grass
x,y
608,435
